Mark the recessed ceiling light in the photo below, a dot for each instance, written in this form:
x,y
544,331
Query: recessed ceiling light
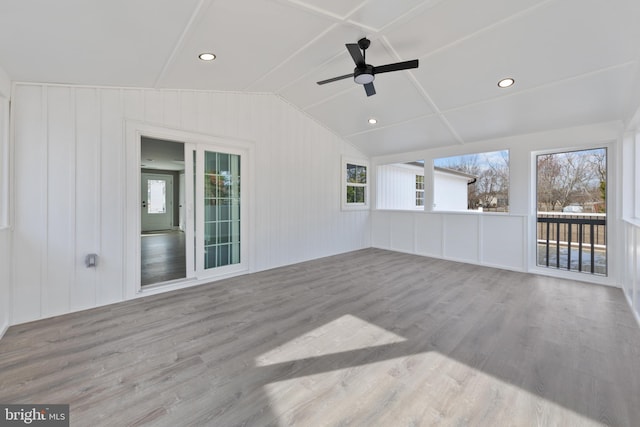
x,y
372,121
506,82
207,56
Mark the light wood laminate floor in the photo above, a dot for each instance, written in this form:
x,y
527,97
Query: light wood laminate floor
x,y
369,338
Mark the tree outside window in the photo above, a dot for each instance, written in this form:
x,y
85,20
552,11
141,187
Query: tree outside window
x,y
356,183
488,183
574,181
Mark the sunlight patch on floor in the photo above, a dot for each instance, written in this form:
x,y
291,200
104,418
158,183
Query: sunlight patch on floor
x,y
418,390
343,334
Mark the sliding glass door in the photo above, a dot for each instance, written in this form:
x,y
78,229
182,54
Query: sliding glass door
x,y
220,218
221,209
205,204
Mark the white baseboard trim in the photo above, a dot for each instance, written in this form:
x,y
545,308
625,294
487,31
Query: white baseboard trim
x,y
634,312
3,329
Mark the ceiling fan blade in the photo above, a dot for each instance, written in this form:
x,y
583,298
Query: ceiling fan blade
x,y
396,67
335,79
354,50
370,89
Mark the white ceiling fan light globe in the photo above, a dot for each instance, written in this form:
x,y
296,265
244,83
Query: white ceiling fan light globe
x,y
364,78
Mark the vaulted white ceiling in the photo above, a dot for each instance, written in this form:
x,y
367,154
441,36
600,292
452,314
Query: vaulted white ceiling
x,y
575,62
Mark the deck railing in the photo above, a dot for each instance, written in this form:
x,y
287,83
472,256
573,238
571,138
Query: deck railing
x,y
573,241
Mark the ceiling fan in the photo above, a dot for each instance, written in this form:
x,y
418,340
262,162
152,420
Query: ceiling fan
x,y
364,73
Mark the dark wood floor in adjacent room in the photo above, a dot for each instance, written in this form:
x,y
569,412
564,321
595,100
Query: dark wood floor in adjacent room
x,y
369,338
162,255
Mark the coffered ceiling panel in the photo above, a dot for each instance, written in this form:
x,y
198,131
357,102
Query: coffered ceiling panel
x,y
413,135
439,24
315,57
553,106
250,38
340,9
574,61
569,46
391,89
115,42
377,14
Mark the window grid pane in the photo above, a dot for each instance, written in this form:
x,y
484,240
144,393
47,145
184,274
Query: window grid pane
x,y
222,209
356,183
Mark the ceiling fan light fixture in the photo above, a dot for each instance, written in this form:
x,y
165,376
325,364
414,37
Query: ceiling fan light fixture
x,y
364,78
364,74
506,82
207,56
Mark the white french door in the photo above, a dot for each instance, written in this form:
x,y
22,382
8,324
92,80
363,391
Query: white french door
x,y
215,216
220,220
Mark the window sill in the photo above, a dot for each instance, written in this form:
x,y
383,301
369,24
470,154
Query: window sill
x,y
632,221
355,208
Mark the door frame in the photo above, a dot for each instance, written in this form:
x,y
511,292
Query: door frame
x,y
134,131
200,216
613,248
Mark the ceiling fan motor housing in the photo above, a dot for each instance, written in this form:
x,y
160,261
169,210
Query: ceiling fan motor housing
x,y
363,75
364,43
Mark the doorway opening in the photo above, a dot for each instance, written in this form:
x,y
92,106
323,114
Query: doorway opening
x,y
571,200
162,239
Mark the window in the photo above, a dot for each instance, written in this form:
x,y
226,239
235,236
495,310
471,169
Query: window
x,y
156,196
478,182
356,184
400,186
419,190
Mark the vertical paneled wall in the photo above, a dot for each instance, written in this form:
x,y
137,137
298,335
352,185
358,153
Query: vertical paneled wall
x,y
5,290
5,235
491,239
631,278
70,185
631,223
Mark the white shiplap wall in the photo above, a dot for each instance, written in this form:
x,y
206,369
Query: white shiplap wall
x,y
70,185
631,213
5,235
5,290
631,277
493,240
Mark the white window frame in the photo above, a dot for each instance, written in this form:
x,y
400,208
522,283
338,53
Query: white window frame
x,y
344,184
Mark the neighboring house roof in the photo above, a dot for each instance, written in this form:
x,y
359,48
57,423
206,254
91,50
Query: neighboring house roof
x,y
454,172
